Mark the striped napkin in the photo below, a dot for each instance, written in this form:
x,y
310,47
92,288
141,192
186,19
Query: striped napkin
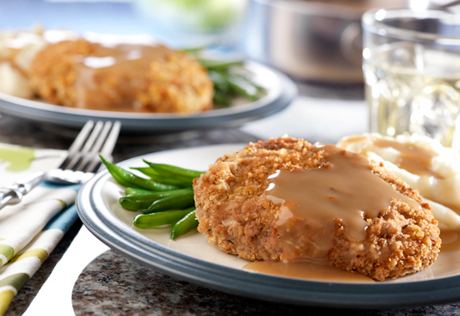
x,y
30,230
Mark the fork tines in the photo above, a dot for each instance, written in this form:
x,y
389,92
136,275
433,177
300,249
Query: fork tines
x,y
93,140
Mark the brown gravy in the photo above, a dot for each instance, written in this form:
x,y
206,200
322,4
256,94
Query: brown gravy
x,y
450,240
307,270
342,190
412,158
111,77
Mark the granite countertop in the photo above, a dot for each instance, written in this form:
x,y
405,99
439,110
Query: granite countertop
x,y
114,285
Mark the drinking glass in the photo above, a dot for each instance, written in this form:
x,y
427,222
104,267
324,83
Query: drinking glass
x,y
411,64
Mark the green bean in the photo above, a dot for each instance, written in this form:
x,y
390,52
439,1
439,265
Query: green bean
x,y
222,93
173,170
149,172
114,172
260,89
184,225
172,202
239,86
135,191
192,50
220,84
160,218
129,179
174,180
213,64
227,84
220,98
179,181
143,201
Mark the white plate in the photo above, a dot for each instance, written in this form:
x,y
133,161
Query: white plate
x,y
192,258
280,92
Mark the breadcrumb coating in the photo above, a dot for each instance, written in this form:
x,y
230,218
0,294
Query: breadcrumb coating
x,y
237,217
166,81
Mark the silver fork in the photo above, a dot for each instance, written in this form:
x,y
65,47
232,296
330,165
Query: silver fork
x,y
80,165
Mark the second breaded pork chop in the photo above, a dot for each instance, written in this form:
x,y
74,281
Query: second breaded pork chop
x,y
286,199
125,77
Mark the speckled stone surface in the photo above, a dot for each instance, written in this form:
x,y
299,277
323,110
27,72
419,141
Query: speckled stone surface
x,y
115,285
19,132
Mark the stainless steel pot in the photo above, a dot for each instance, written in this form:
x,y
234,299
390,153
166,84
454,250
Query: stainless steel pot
x,y
309,40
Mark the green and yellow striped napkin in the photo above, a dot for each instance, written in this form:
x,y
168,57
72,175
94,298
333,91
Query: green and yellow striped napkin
x,y
29,231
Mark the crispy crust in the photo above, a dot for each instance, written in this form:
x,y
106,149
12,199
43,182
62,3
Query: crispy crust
x,y
172,83
177,84
52,73
236,216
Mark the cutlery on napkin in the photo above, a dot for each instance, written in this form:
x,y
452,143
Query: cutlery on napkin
x,y
29,231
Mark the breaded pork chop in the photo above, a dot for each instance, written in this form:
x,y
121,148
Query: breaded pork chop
x,y
131,78
238,216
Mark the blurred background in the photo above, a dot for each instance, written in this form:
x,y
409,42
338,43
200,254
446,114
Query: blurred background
x,y
314,41
310,40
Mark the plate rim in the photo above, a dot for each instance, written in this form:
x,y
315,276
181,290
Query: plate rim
x,y
120,238
277,99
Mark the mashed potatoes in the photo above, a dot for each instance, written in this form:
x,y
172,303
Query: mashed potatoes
x,y
423,164
17,50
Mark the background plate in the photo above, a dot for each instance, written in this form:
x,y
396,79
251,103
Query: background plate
x,y
192,258
280,92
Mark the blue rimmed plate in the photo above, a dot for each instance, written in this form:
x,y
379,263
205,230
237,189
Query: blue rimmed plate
x,y
193,259
280,92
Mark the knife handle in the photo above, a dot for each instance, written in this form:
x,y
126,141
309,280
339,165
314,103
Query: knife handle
x,y
13,195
